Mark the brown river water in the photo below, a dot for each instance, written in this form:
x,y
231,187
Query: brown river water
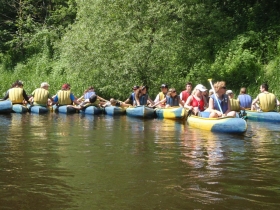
x,y
58,161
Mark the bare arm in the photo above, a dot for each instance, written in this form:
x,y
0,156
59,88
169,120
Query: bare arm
x,y
255,100
188,102
162,101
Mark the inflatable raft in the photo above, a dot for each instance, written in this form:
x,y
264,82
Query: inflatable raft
x,y
223,124
19,108
38,109
171,113
263,116
64,109
114,110
6,106
92,110
140,111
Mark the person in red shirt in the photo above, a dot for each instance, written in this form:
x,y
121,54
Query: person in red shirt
x,y
186,93
197,102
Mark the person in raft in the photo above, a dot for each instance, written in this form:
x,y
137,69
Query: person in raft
x,y
64,96
85,102
172,99
267,101
197,102
142,97
131,98
162,95
186,93
17,94
223,100
234,103
245,100
41,96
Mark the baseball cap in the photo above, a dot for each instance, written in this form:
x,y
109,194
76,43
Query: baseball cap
x,y
135,87
164,86
229,92
200,87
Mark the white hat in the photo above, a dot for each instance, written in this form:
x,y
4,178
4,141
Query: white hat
x,y
229,92
44,84
200,87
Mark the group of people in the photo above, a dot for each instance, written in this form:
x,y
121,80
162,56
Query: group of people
x,y
218,101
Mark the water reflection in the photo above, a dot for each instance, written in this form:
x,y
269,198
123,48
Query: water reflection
x,y
102,162
28,166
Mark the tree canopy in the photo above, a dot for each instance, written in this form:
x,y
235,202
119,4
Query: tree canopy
x,y
114,45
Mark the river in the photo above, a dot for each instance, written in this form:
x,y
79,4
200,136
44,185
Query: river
x,y
58,161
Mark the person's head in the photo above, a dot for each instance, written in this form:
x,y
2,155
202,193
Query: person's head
x,y
189,87
211,91
93,98
164,88
66,86
19,83
199,89
89,89
230,93
45,85
113,101
264,87
243,90
220,87
136,87
172,92
144,89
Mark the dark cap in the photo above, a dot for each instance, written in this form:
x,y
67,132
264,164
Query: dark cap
x,y
65,86
135,87
164,86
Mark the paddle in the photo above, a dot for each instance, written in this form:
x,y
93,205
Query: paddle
x,y
210,81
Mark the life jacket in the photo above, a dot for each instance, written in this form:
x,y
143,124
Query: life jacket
x,y
173,101
185,95
267,102
245,100
161,97
16,95
199,104
223,103
234,105
64,97
143,99
89,94
41,96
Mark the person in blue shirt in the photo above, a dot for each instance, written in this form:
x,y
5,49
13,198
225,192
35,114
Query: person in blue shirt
x,y
223,101
245,100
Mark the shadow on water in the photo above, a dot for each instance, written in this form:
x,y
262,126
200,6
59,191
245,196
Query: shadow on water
x,y
30,178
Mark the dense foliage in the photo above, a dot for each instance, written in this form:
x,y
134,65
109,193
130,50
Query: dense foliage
x,y
114,45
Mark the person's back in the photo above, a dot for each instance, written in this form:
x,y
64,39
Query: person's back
x,y
16,95
234,105
40,96
267,101
245,100
64,97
